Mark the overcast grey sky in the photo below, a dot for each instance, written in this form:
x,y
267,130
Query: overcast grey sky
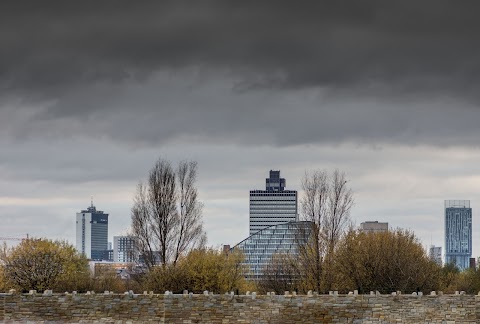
x,y
92,93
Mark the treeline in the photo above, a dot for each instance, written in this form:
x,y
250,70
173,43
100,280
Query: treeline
x,y
384,262
41,264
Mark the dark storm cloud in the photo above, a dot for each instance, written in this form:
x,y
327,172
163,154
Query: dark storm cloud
x,y
49,47
264,72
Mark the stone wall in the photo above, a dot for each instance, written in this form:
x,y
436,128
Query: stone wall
x,y
188,308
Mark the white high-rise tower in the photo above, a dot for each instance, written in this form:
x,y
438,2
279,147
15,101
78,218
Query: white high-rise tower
x,y
272,206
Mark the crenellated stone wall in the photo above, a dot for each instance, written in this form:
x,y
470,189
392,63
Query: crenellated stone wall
x,y
207,308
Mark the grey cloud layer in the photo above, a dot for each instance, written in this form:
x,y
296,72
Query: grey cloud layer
x,y
240,72
49,47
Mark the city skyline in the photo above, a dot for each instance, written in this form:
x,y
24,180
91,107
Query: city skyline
x,y
93,94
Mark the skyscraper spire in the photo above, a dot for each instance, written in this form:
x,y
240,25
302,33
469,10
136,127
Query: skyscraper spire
x,y
91,201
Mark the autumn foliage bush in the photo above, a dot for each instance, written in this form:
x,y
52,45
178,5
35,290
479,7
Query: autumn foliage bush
x,y
42,264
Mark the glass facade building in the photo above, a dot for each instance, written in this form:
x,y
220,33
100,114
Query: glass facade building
x,y
92,233
261,246
458,233
272,206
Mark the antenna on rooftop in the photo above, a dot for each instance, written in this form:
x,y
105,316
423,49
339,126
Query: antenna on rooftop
x,y
91,201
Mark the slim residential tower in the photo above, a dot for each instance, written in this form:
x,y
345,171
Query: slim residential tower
x,y
272,206
458,233
92,233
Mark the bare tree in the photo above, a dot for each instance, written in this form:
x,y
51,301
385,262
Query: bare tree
x,y
326,203
166,214
189,228
280,274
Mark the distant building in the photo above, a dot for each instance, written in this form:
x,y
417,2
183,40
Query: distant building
x,y
108,255
272,206
122,270
92,233
435,254
458,233
373,227
473,263
124,249
261,246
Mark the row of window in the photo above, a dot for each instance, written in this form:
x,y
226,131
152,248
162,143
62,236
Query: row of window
x,y
273,198
284,202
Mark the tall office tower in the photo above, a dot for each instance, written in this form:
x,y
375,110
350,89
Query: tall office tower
x,y
272,206
92,233
458,233
124,249
435,254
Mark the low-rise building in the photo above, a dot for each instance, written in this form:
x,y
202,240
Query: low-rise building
x,y
373,227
